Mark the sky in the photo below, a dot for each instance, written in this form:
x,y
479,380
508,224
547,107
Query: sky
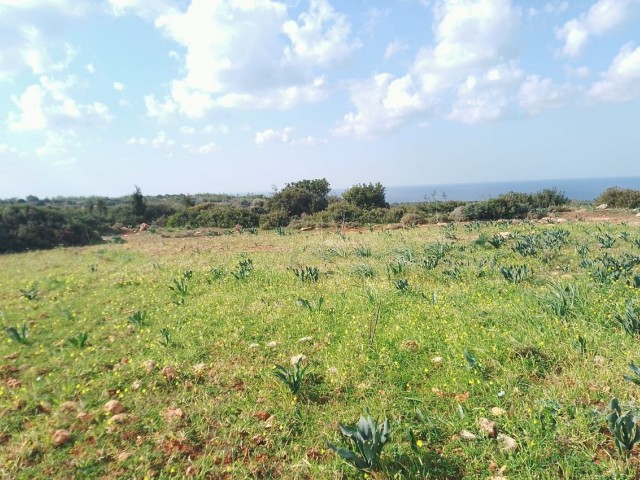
x,y
235,96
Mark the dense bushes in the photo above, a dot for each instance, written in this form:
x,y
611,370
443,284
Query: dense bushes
x,y
616,197
211,215
514,205
28,227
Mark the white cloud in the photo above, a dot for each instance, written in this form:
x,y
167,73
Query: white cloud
x,y
90,68
6,149
118,87
58,143
31,116
161,140
550,8
220,128
472,38
147,9
32,35
249,54
271,135
186,130
395,47
485,98
48,104
537,94
321,36
603,16
577,72
622,80
208,148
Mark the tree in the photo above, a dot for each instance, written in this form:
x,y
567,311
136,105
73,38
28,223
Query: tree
x,y
304,196
138,207
367,196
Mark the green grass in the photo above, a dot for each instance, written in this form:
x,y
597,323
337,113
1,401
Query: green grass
x,y
370,346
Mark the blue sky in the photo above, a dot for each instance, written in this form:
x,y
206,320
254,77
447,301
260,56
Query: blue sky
x,y
188,96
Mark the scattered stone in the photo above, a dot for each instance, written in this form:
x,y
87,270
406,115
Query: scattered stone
x,y
169,373
199,369
136,384
468,436
410,345
85,417
269,421
13,383
306,339
60,437
173,413
298,358
272,344
254,346
508,443
487,427
262,416
149,365
436,360
114,407
498,412
505,235
598,360
306,229
602,206
119,418
332,370
68,407
144,227
123,456
561,220
14,355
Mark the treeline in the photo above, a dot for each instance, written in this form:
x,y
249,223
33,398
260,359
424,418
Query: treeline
x,y
34,223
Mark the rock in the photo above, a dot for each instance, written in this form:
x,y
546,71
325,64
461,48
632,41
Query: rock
x,y
508,443
269,421
298,358
306,339
458,213
498,412
119,418
85,417
149,365
114,407
441,224
173,413
602,206
436,360
136,384
505,235
306,229
410,345
60,437
169,373
254,346
144,227
272,344
561,220
487,427
68,407
468,436
13,383
598,360
199,369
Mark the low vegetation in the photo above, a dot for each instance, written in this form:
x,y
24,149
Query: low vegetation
x,y
410,353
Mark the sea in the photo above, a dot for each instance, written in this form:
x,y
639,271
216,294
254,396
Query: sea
x,y
580,189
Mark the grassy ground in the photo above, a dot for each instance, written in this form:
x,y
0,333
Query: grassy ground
x,y
384,329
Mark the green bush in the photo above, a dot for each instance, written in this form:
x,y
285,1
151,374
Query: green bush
x,y
620,198
274,220
27,227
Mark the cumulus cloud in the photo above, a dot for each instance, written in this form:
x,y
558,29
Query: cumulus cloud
x,y
161,140
48,104
603,16
58,143
472,39
251,54
394,47
621,81
284,135
118,87
32,35
538,94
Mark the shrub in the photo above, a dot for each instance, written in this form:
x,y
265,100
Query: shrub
x,y
620,197
366,196
275,219
411,219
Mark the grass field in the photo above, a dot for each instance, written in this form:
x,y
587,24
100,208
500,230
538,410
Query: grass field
x,y
155,358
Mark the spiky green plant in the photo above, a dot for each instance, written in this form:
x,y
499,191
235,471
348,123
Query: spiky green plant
x,y
636,377
497,241
307,274
18,336
138,318
31,293
292,376
515,273
368,437
624,428
630,319
79,340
